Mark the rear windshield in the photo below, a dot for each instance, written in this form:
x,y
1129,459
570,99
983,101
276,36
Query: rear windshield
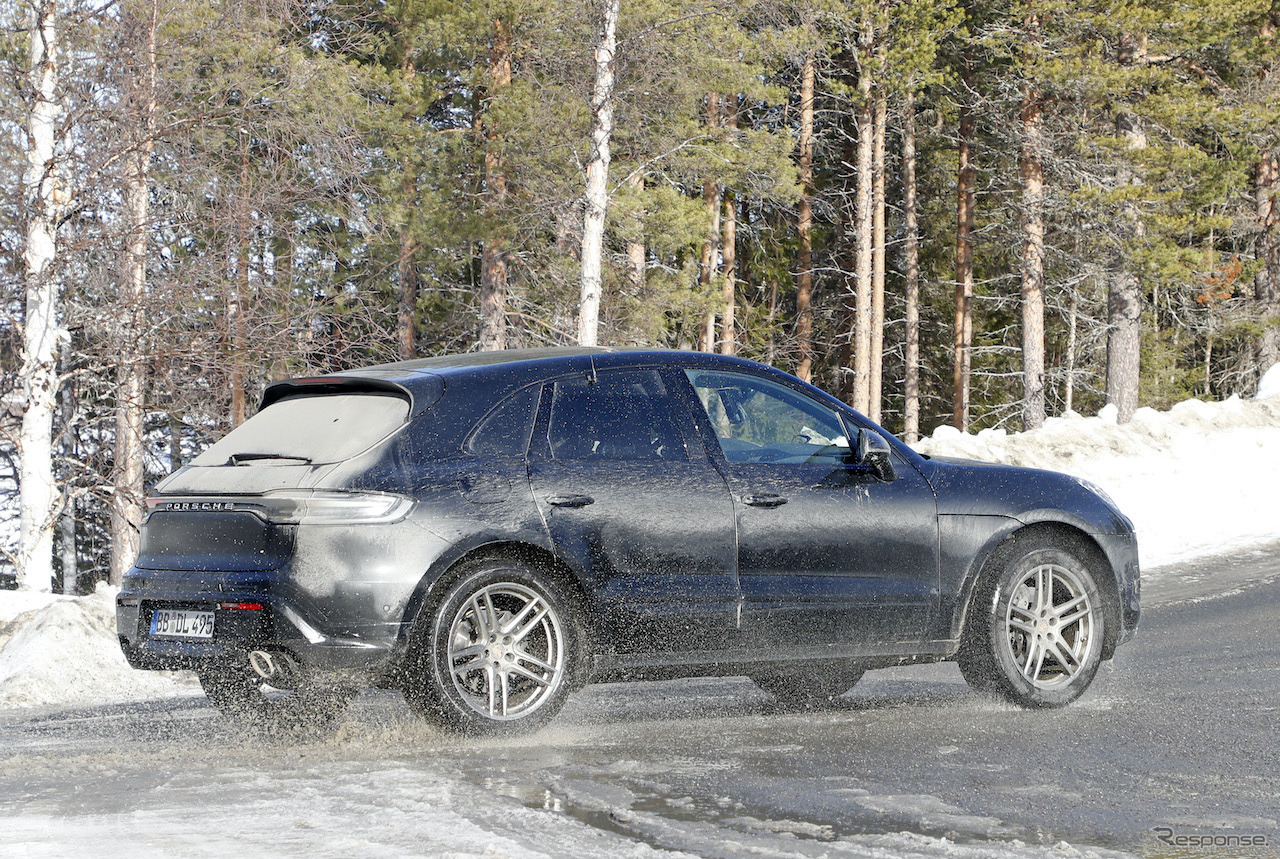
x,y
309,430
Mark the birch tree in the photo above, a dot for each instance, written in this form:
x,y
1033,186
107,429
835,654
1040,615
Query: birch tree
x,y
597,197
42,334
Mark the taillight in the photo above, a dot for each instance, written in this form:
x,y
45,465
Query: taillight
x,y
296,506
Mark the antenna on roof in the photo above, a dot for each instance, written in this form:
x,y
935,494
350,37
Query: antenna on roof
x,y
591,374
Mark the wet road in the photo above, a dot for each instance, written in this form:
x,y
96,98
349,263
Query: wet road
x,y
1177,738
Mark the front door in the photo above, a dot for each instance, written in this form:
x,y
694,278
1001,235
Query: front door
x,y
828,553
631,499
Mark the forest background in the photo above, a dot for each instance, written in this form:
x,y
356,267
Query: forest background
x,y
969,212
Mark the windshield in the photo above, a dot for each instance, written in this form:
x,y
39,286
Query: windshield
x,y
302,430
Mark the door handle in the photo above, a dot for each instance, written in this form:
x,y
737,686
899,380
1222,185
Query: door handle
x,y
570,500
765,499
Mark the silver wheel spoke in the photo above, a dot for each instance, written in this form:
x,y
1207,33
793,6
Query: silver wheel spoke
x,y
525,672
467,652
1025,613
467,667
1065,657
1065,620
1044,588
1022,626
510,626
530,625
481,622
536,662
1035,657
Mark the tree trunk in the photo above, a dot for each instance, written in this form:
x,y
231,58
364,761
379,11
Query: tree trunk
x,y
597,198
1124,342
964,257
877,255
493,258
407,310
729,293
67,521
38,377
635,247
140,98
1073,317
1266,282
239,294
1031,171
911,250
707,262
865,121
1124,307
804,224
729,253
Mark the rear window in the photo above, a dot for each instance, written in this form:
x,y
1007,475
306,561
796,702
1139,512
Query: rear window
x,y
313,430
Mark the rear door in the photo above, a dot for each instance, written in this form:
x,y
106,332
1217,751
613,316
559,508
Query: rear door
x,y
630,498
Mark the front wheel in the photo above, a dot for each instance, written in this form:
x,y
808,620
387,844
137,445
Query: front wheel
x,y
497,654
1036,629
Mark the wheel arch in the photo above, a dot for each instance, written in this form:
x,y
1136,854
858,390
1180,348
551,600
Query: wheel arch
x,y
1053,532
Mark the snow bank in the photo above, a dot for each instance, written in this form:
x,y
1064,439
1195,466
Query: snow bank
x,y
64,651
1269,386
1199,479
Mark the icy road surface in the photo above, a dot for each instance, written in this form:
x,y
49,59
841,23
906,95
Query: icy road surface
x,y
1180,732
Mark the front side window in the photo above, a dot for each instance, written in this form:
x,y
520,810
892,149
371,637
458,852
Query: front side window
x,y
619,416
757,420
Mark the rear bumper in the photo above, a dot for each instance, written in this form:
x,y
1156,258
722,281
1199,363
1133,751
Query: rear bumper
x,y
248,616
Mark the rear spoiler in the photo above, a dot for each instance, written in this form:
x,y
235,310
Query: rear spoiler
x,y
426,390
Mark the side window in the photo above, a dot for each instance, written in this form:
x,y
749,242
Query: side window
x,y
621,416
505,431
760,421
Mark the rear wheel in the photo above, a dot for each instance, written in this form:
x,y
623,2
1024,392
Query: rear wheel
x,y
241,694
1036,629
809,690
497,654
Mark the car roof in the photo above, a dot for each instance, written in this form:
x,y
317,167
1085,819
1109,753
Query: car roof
x,y
422,380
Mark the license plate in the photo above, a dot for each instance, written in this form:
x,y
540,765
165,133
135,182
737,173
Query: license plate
x,y
171,623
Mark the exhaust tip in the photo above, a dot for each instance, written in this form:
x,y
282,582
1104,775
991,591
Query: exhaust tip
x,y
277,667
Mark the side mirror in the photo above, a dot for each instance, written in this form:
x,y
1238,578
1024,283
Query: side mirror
x,y
870,449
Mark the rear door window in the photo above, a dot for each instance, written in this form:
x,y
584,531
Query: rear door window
x,y
309,430
619,415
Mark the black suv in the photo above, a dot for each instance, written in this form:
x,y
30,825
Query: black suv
x,y
488,532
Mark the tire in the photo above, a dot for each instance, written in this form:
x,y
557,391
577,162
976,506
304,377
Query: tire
x,y
497,654
243,696
810,690
1036,628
